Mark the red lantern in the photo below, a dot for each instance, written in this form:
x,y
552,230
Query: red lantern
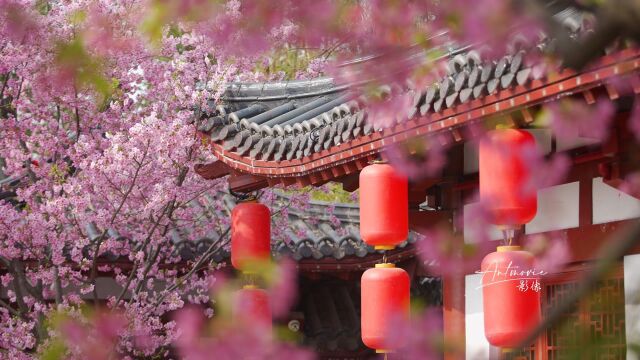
x,y
384,302
384,214
510,296
250,235
251,307
505,177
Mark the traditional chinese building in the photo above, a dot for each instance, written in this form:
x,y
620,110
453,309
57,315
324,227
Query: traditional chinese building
x,y
312,132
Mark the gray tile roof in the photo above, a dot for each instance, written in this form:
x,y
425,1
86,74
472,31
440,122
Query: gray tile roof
x,y
312,234
294,119
274,121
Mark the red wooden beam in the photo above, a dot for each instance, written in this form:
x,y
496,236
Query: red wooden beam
x,y
303,181
526,116
337,171
246,182
316,179
589,97
612,91
349,167
212,170
354,263
635,83
273,182
350,182
288,181
453,315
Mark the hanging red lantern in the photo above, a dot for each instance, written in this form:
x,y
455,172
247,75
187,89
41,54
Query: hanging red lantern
x,y
384,302
510,295
505,178
251,308
384,213
250,235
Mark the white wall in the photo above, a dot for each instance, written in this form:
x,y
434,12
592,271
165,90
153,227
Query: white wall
x,y
477,346
557,209
632,302
563,145
611,204
469,236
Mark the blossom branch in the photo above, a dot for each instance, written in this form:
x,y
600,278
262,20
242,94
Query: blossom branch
x,y
11,309
94,265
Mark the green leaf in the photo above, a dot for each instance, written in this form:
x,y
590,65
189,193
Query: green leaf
x,y
56,350
78,17
154,23
175,31
85,69
335,194
43,7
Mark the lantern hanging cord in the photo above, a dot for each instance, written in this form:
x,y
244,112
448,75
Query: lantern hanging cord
x,y
384,257
250,279
508,234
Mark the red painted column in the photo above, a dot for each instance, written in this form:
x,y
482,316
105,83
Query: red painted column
x,y
453,312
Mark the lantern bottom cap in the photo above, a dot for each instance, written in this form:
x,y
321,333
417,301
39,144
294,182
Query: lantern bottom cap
x,y
384,247
503,227
383,351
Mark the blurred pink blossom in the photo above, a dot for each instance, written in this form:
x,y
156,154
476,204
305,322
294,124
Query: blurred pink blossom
x,y
571,119
418,158
97,338
551,251
445,253
235,342
421,334
631,184
545,172
634,119
283,289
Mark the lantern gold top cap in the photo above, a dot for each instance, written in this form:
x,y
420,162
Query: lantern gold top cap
x,y
509,248
249,287
378,161
385,266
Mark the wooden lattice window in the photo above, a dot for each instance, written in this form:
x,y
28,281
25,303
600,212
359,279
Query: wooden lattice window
x,y
596,330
